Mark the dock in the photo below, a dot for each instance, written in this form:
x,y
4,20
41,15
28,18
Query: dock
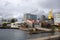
x,y
43,29
53,37
46,29
25,29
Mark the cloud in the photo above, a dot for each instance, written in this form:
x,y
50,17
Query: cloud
x,y
55,4
14,8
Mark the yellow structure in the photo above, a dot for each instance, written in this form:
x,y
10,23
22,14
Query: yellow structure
x,y
50,14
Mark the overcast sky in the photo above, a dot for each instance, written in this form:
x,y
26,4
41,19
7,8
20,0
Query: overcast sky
x,y
16,8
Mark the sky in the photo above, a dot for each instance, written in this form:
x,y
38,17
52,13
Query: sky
x,y
17,8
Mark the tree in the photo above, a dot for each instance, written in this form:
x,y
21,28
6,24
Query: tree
x,y
13,20
4,25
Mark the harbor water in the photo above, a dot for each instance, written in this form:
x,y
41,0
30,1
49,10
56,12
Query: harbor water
x,y
12,34
16,34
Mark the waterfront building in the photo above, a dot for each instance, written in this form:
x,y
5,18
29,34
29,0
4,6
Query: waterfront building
x,y
30,19
43,18
29,16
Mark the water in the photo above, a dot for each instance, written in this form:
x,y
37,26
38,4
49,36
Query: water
x,y
12,34
42,35
15,34
39,35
